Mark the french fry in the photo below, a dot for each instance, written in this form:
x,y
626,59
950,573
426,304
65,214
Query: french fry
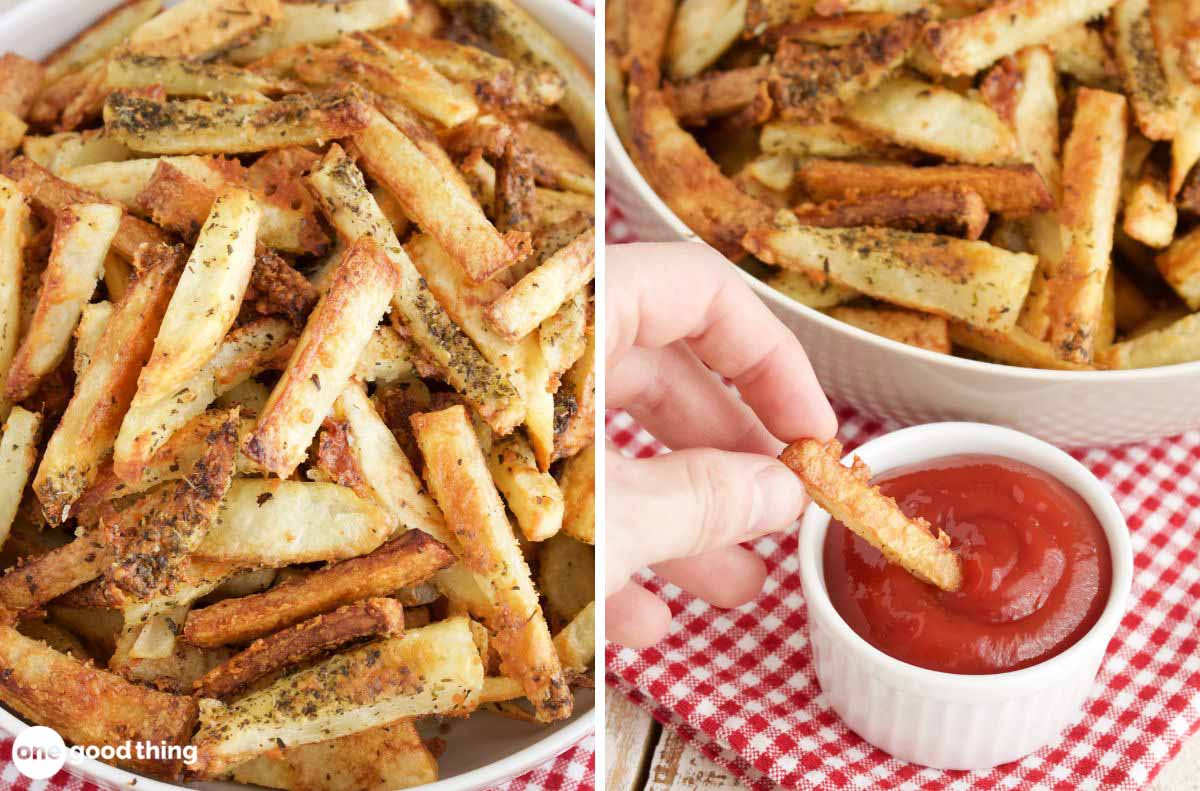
x,y
14,217
700,32
806,290
1091,191
1178,342
827,31
1168,21
904,326
563,336
36,582
576,643
972,281
575,404
967,131
207,298
556,206
1016,346
557,163
201,28
192,126
646,42
18,455
387,358
340,188
566,576
1150,216
532,495
295,522
382,758
20,81
967,45
433,670
114,710
99,38
462,486
1141,71
369,618
538,295
578,482
406,158
182,77
954,211
320,23
147,427
407,560
1081,52
715,94
1012,190
1179,265
92,420
520,38
848,496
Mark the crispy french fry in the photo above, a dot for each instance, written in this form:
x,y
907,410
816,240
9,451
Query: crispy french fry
x,y
20,81
717,93
576,643
192,126
459,480
1012,190
538,295
433,670
1081,52
1141,70
827,31
92,420
321,23
645,43
900,110
36,582
1016,346
563,336
100,37
575,404
1179,265
557,163
200,28
1168,20
387,358
846,493
566,576
182,77
532,495
369,618
1150,216
1178,342
700,32
14,217
805,289
114,710
18,454
909,327
954,211
972,281
578,482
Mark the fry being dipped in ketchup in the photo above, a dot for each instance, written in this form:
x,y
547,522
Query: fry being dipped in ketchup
x,y
1019,565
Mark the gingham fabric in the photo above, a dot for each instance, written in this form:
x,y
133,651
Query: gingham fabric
x,y
739,684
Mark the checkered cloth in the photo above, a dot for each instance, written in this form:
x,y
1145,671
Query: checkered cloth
x,y
739,684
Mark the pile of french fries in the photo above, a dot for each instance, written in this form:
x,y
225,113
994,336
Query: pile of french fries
x,y
1009,180
296,367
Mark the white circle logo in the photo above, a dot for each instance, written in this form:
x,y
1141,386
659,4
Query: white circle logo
x,y
39,752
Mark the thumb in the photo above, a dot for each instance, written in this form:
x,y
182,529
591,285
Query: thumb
x,y
691,501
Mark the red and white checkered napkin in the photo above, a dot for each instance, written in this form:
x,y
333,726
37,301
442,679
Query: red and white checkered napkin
x,y
739,684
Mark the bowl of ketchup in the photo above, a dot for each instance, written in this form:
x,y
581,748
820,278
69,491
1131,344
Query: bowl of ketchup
x,y
993,671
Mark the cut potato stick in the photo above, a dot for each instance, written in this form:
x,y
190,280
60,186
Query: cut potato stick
x,y
700,32
1150,216
848,496
557,163
645,42
201,28
1141,70
20,81
578,482
1091,192
433,670
1016,346
954,211
967,45
905,326
384,757
972,281
406,158
537,296
1169,22
833,140
147,427
575,404
408,560
207,298
936,120
716,93
532,495
192,126
100,37
336,334
113,710
14,219
576,643
1178,342
387,358
1012,190
563,336
369,618
461,484
805,289
92,420
321,23
1081,52
1179,265
340,188
182,77
48,576
18,454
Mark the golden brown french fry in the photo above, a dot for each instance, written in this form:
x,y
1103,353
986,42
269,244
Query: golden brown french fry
x,y
578,482
969,44
20,81
972,281
336,334
459,480
563,336
82,235
99,38
1141,70
113,711
201,28
1168,20
321,23
532,495
575,404
848,496
1178,342
576,643
645,43
806,290
1150,216
193,126
47,576
14,217
182,77
566,576
700,32
905,326
537,296
92,420
1016,346
716,93
1179,265
18,454
556,162
433,670
953,211
1081,52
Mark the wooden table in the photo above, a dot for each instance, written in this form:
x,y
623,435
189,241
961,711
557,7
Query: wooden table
x,y
641,755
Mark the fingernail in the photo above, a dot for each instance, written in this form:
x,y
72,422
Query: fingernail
x,y
778,499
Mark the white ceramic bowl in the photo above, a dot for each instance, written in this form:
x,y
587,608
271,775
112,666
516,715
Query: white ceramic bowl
x,y
484,750
946,720
910,385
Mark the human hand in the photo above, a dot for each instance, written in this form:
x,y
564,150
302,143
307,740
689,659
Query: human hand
x,y
675,311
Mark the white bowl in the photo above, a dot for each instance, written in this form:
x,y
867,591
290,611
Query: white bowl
x,y
486,749
895,381
947,720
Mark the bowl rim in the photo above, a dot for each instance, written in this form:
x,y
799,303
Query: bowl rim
x,y
547,748
927,442
618,157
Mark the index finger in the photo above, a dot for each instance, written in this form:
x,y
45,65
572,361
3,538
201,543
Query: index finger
x,y
662,293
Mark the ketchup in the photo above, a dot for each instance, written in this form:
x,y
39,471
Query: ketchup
x,y
1036,569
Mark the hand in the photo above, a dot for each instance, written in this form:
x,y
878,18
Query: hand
x,y
674,312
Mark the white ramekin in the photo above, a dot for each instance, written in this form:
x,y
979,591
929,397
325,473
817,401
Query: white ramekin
x,y
946,720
